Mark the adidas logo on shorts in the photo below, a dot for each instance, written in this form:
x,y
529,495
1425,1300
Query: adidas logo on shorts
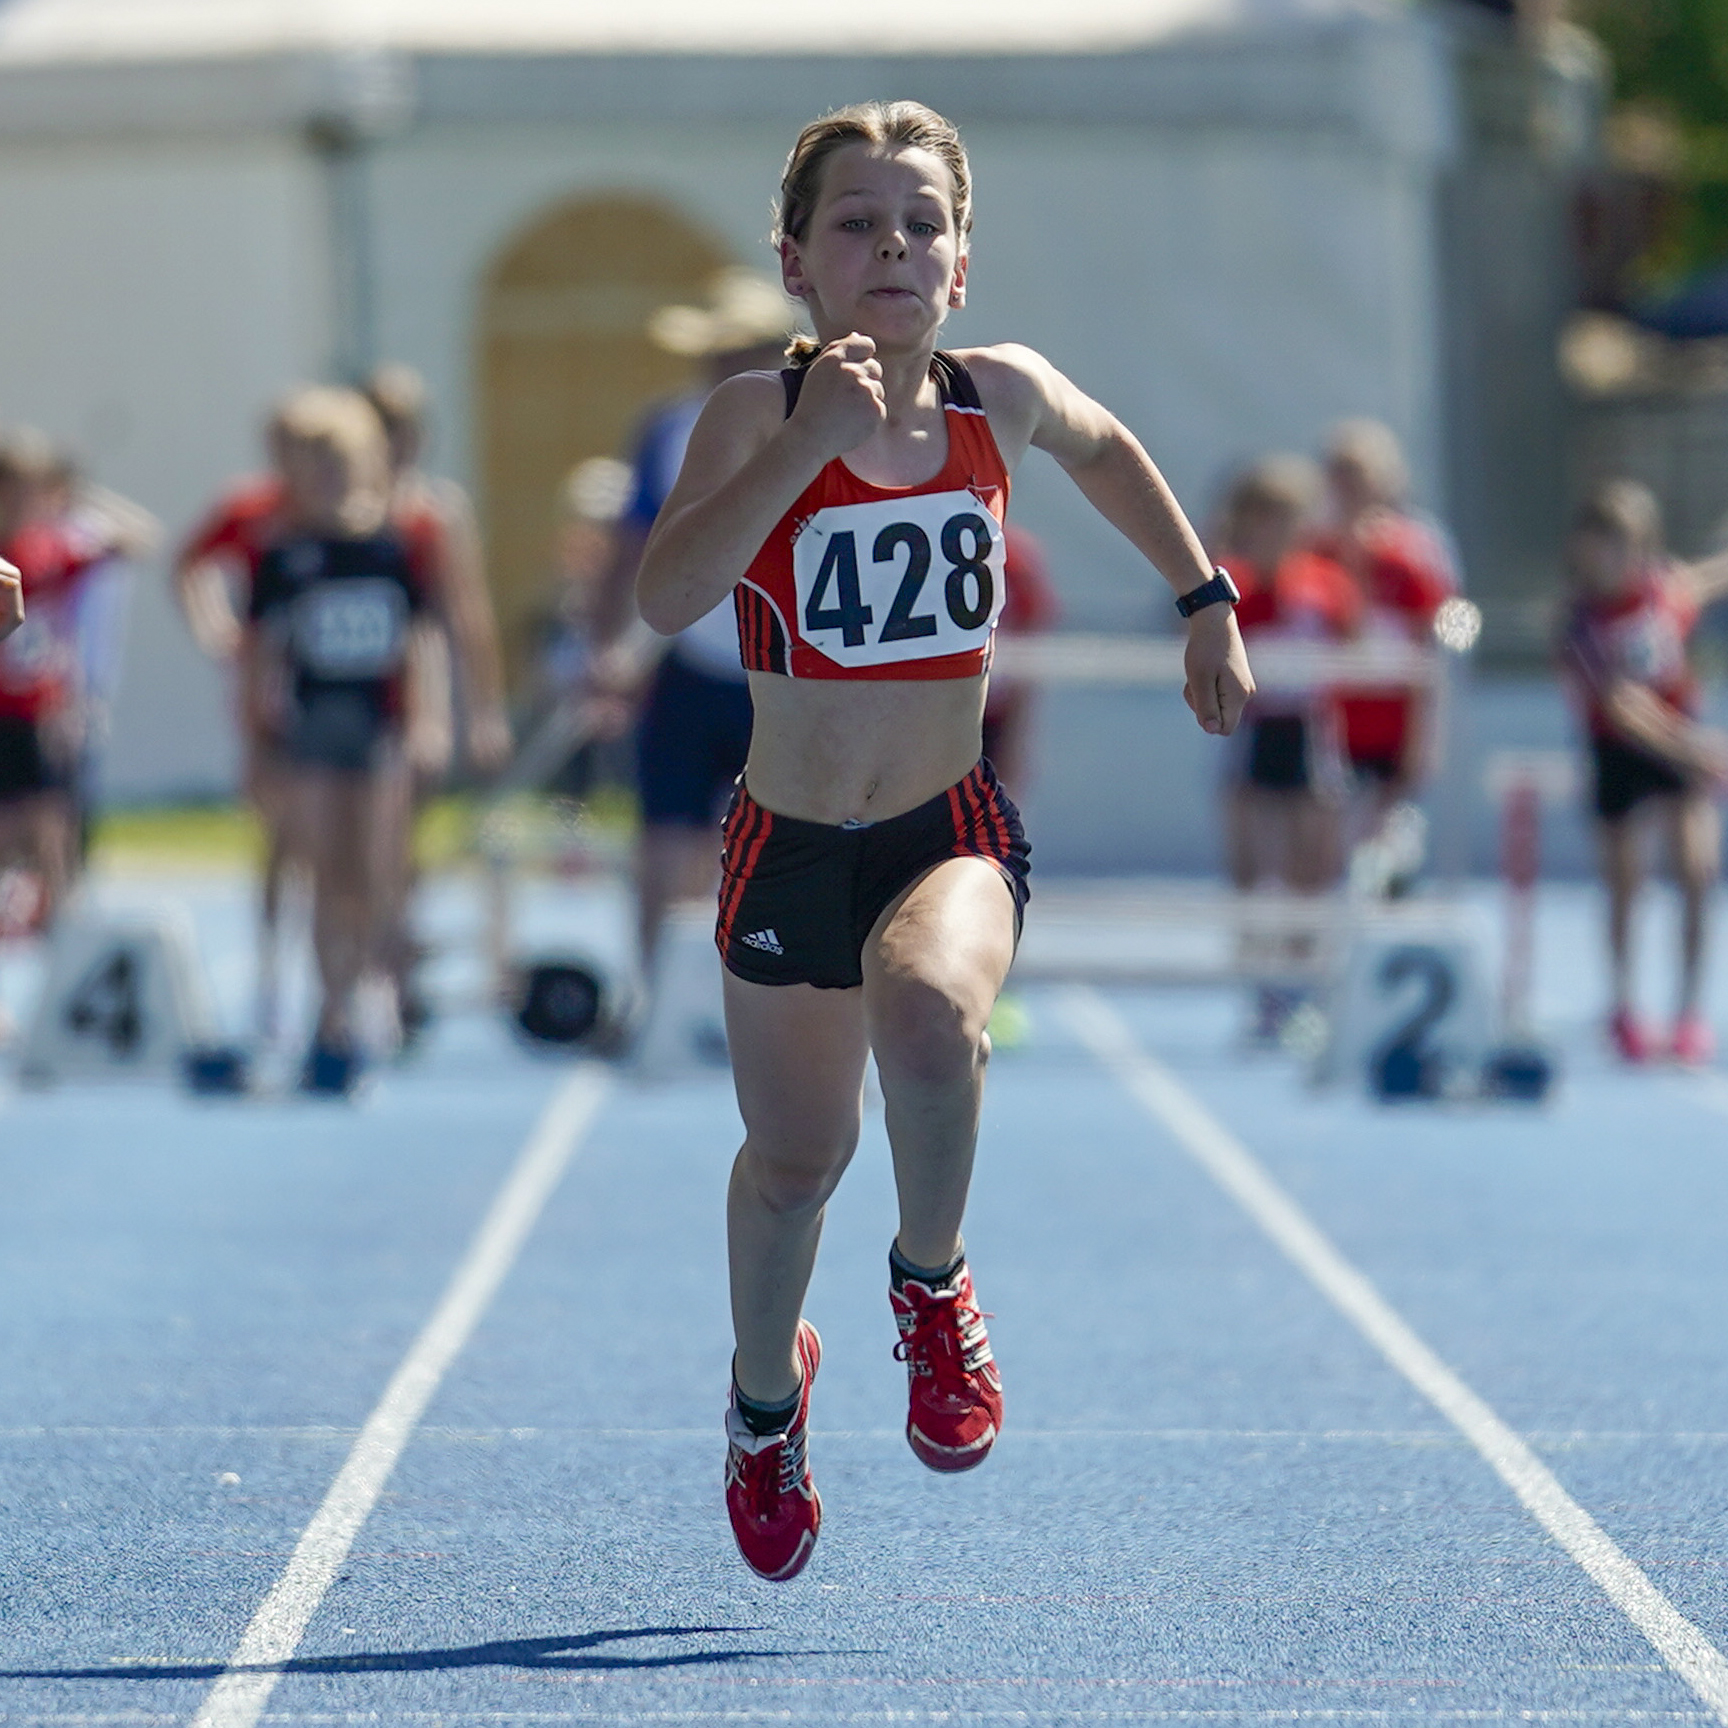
x,y
766,940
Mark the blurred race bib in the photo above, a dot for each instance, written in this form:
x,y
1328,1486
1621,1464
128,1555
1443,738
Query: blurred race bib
x,y
351,629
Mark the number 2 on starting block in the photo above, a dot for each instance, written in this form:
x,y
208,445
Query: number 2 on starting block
x,y
1410,1016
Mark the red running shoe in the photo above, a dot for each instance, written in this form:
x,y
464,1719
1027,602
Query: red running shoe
x,y
954,1408
770,1498
1629,1036
1694,1043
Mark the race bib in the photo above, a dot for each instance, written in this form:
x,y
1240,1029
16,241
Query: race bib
x,y
909,578
351,629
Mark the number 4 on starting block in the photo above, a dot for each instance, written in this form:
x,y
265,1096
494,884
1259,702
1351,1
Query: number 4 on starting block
x,y
123,999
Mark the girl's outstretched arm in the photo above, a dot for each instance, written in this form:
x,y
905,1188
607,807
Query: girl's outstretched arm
x,y
1708,579
1031,403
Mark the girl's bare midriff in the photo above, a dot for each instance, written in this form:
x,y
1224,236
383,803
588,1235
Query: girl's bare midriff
x,y
860,751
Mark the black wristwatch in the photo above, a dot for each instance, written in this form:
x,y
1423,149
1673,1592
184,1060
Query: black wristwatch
x,y
1209,593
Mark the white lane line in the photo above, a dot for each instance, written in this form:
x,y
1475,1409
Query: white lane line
x,y
239,1696
1230,1164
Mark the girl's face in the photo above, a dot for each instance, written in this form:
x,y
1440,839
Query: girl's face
x,y
1602,565
1354,488
1265,533
880,254
329,490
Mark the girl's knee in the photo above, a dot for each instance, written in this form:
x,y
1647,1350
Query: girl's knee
x,y
930,1035
791,1183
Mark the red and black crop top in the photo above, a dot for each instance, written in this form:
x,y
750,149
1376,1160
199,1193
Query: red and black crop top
x,y
863,581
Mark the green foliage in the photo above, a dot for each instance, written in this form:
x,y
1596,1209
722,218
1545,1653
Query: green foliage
x,y
1670,59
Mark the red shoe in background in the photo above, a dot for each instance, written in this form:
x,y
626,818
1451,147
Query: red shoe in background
x,y
1694,1044
770,1497
1629,1036
954,1405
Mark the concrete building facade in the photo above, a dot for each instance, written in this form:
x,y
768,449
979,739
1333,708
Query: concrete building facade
x,y
1232,220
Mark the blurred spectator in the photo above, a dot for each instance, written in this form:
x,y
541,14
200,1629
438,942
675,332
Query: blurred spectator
x,y
45,724
1286,788
341,603
1404,570
694,731
213,579
435,513
1030,609
127,532
594,498
438,510
1653,767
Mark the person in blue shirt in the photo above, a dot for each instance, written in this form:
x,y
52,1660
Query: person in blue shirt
x,y
694,726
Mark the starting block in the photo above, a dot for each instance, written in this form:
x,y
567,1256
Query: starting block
x,y
1411,1014
124,998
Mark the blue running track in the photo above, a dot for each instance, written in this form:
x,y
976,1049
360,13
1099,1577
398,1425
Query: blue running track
x,y
1214,1502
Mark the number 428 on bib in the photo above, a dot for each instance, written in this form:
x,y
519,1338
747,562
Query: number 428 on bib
x,y
911,578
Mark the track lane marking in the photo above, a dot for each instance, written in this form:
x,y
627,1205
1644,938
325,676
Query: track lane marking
x,y
237,1699
1235,1169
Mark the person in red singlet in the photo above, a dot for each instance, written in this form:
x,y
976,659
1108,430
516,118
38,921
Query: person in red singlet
x,y
435,512
1032,608
1285,801
42,714
1404,568
1623,655
874,872
213,578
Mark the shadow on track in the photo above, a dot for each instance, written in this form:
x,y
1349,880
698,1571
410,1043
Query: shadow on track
x,y
581,1651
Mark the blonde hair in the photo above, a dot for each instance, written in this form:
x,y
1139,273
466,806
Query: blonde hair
x,y
342,422
1372,446
1290,483
907,125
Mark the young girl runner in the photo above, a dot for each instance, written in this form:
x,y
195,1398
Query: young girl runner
x,y
874,871
1285,796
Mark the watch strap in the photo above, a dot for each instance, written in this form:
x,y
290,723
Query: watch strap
x,y
1219,589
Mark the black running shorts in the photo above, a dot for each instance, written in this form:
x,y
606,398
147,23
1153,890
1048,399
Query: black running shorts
x,y
25,767
1278,754
798,900
1626,776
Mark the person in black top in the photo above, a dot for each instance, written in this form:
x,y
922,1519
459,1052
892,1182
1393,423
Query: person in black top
x,y
337,621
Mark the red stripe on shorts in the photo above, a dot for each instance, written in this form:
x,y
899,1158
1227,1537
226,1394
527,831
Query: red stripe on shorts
x,y
989,828
751,842
738,822
999,822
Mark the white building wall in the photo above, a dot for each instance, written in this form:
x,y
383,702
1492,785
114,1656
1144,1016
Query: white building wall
x,y
157,295
1227,286
1226,293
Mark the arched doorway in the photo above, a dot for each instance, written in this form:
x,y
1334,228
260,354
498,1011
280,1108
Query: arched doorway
x,y
566,368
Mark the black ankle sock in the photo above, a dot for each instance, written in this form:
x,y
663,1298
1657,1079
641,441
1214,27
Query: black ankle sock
x,y
932,1277
766,1418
